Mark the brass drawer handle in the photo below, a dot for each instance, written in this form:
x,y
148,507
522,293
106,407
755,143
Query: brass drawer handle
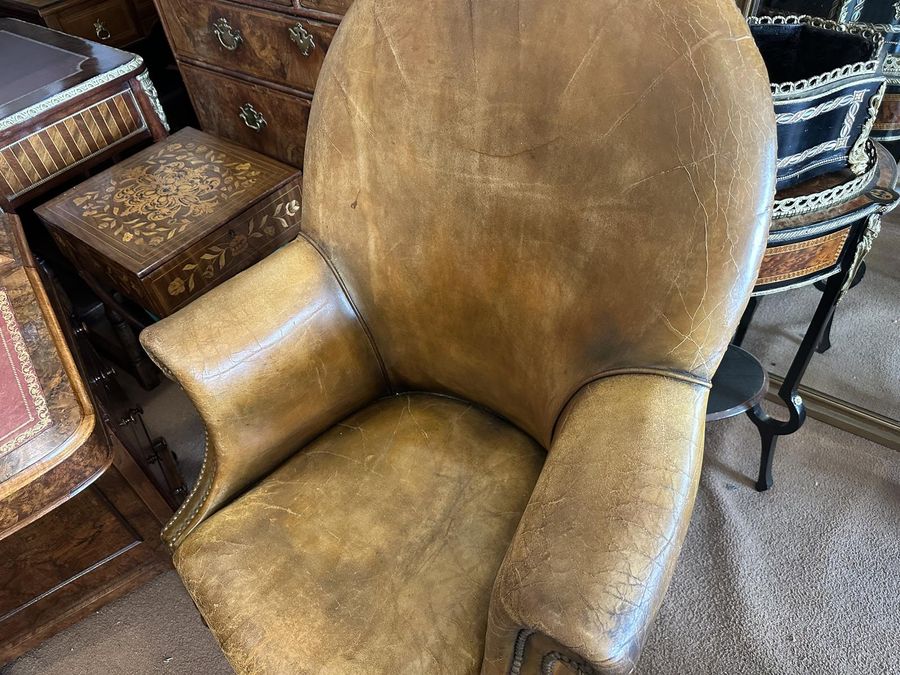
x,y
229,37
101,30
302,38
252,117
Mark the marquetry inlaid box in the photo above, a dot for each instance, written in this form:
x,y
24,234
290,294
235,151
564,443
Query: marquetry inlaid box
x,y
176,219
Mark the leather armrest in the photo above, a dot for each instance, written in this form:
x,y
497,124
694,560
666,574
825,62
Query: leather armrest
x,y
598,541
271,358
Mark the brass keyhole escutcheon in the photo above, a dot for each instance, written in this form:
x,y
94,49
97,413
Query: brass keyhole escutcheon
x,y
252,117
101,30
228,37
302,38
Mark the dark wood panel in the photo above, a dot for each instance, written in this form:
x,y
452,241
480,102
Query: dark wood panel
x,y
90,550
68,541
284,49
146,14
218,100
111,22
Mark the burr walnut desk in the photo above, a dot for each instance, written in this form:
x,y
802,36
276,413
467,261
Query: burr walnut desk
x,y
66,104
79,521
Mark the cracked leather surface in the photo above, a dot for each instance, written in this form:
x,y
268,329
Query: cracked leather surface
x,y
597,544
521,195
271,360
532,205
373,550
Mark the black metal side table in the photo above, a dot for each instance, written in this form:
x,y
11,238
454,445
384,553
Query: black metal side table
x,y
820,234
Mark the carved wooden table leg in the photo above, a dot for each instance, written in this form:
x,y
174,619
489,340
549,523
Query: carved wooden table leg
x,y
144,370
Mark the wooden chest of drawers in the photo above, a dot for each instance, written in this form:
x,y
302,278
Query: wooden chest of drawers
x,y
251,66
176,219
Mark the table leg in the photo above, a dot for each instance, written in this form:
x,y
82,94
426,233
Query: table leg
x,y
770,428
147,375
744,323
825,343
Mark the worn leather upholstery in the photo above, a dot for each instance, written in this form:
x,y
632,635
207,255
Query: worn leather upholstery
x,y
389,528
270,362
521,205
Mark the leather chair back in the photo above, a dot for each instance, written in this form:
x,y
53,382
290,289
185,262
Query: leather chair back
x,y
522,196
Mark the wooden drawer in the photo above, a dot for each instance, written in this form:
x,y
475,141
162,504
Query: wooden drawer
x,y
218,101
259,42
93,548
333,6
276,4
244,241
109,21
800,260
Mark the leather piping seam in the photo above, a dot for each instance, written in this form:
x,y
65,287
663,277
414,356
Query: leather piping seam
x,y
362,322
519,651
206,482
204,478
661,372
547,662
550,659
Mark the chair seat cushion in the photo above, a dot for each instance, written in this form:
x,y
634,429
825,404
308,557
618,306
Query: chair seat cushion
x,y
374,549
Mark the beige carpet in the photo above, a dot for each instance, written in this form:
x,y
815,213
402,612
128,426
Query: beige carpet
x,y
802,579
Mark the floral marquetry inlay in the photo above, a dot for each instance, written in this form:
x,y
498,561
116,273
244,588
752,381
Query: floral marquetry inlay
x,y
174,186
174,220
212,260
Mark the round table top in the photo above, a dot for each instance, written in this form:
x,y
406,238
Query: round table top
x,y
738,385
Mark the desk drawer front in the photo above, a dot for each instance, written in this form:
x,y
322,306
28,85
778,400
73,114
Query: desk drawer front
x,y
333,6
109,21
48,152
285,49
257,117
802,259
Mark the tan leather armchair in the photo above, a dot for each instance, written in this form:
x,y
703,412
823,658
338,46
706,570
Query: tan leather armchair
x,y
458,424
